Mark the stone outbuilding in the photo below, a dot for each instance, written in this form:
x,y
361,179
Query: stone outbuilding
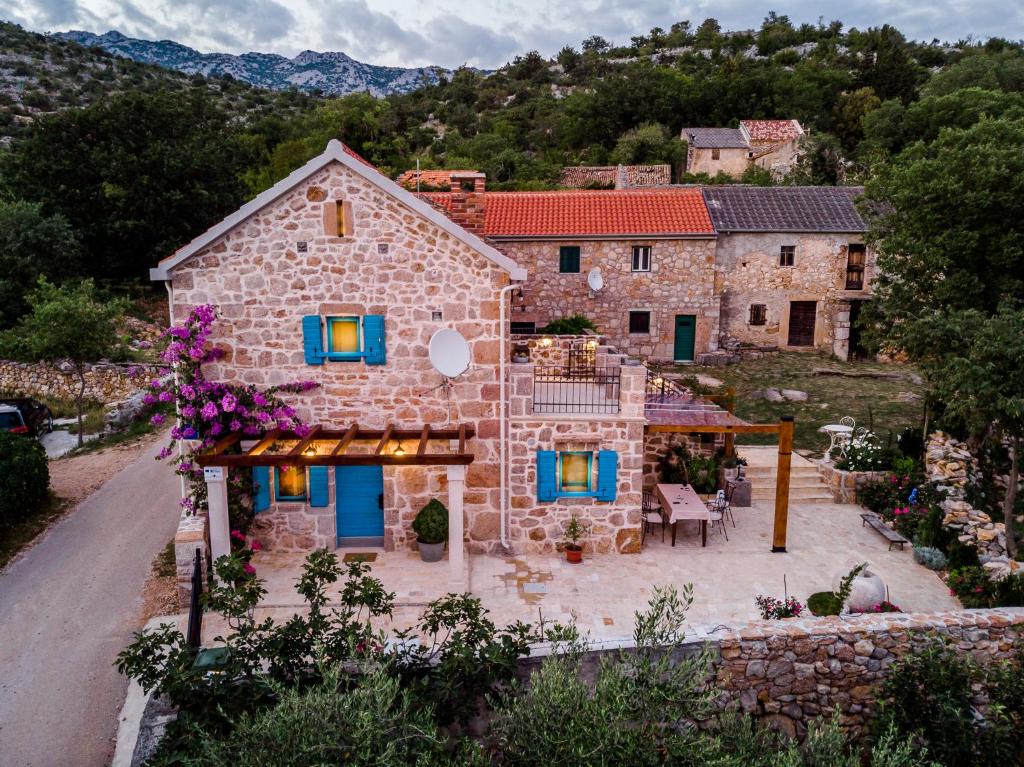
x,y
792,267
770,144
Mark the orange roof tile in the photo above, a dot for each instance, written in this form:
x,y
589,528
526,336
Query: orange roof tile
x,y
436,178
628,212
771,130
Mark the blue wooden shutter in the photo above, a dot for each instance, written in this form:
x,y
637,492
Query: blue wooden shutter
x,y
607,475
261,488
318,486
312,340
547,486
373,339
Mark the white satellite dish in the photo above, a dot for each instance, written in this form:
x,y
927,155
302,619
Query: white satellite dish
x,y
595,280
449,353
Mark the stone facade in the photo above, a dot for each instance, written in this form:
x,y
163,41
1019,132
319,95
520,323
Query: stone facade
x,y
104,382
778,158
681,281
748,272
270,270
537,527
192,534
732,161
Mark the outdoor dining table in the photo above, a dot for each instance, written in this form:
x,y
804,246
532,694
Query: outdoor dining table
x,y
682,502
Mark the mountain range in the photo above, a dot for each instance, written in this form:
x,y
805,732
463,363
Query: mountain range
x,y
331,72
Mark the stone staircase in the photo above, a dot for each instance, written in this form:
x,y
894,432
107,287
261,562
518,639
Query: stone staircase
x,y
805,484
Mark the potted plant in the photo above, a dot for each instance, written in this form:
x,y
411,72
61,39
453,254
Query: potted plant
x,y
431,527
520,353
574,532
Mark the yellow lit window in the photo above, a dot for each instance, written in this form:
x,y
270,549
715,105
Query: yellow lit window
x,y
574,472
291,483
343,337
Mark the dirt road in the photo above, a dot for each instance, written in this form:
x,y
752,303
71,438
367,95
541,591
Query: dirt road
x,y
67,607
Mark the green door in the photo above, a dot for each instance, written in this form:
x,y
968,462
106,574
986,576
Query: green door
x,y
686,336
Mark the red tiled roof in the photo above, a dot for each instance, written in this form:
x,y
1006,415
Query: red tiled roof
x,y
352,153
428,178
632,212
771,130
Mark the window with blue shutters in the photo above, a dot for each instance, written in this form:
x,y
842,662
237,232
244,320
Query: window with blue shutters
x,y
291,483
318,486
348,339
260,488
570,474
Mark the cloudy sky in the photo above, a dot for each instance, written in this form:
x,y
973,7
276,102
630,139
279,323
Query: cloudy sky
x,y
484,33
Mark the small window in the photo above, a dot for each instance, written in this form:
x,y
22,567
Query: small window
x,y
787,253
523,327
343,338
291,483
569,259
641,258
639,322
338,220
716,154
855,267
574,473
758,314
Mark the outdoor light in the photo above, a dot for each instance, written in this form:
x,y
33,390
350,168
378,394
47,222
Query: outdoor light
x,y
591,345
659,381
545,342
399,450
309,451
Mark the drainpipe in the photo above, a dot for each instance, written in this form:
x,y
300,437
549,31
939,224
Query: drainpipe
x,y
503,416
177,411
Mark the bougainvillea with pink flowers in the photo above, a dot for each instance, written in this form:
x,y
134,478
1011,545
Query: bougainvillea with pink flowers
x,y
208,410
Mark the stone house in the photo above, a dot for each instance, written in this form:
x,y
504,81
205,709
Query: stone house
x,y
339,275
770,144
792,268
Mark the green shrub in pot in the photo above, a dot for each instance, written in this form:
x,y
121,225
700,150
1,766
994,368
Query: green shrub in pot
x,y
431,524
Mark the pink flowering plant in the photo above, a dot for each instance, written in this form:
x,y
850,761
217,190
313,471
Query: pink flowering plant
x,y
208,410
772,609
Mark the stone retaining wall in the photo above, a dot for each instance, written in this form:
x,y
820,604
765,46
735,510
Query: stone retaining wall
x,y
192,534
788,672
104,381
845,485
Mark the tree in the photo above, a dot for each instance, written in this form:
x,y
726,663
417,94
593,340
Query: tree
x,y
980,379
136,175
649,144
69,323
32,244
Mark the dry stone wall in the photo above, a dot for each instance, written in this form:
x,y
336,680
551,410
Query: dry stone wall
x,y
749,273
104,382
279,265
681,281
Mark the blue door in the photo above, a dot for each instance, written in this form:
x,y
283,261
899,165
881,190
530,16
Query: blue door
x,y
360,505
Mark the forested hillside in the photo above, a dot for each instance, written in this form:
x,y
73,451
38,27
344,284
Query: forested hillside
x,y
124,162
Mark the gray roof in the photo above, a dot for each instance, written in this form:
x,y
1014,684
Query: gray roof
x,y
716,138
784,208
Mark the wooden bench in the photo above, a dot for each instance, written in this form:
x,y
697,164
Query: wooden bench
x,y
875,521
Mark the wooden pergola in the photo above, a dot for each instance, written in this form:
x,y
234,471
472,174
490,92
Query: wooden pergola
x,y
353,446
784,428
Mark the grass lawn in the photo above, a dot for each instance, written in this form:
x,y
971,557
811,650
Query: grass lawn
x,y
872,401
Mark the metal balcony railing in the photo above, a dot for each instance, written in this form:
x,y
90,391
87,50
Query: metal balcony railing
x,y
576,389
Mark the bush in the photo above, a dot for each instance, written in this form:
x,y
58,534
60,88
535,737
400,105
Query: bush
x,y
824,603
431,523
972,586
930,557
865,454
573,325
960,554
773,609
24,478
911,443
679,466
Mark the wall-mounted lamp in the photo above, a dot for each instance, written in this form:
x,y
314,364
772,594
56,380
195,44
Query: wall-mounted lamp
x,y
310,451
545,342
399,450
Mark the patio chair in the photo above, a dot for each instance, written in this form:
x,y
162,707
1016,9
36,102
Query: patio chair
x,y
719,509
651,513
727,507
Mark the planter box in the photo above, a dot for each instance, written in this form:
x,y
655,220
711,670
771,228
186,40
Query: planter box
x,y
845,485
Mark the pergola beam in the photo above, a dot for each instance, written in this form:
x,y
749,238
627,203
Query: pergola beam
x,y
421,449
301,447
384,440
350,435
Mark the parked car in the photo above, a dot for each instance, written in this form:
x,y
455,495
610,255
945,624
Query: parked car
x,y
23,415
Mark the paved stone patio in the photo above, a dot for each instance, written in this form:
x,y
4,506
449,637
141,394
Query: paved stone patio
x,y
605,591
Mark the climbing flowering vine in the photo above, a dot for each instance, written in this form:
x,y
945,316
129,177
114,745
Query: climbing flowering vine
x,y
208,410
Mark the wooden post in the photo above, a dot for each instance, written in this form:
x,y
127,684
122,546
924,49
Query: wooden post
x,y
730,406
782,484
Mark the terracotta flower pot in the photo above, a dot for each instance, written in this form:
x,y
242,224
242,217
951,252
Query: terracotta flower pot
x,y
573,554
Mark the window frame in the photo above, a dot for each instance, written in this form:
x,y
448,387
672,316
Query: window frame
x,y
591,485
787,255
344,356
567,250
638,312
716,153
278,498
638,250
759,317
859,267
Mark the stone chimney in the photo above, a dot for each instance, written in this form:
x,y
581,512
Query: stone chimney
x,y
468,193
